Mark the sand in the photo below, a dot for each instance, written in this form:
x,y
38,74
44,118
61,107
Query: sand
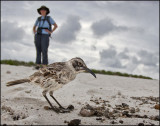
x,y
24,104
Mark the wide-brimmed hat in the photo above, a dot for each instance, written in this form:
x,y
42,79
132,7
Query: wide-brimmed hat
x,y
45,8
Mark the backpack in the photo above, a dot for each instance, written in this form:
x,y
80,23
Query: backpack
x,y
47,19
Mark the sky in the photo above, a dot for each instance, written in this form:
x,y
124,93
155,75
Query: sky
x,y
118,36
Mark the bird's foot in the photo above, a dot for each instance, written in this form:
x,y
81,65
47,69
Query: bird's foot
x,y
57,110
65,110
54,108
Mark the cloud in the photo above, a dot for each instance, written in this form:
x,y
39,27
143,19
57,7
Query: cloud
x,y
69,29
123,55
147,58
105,26
110,58
11,32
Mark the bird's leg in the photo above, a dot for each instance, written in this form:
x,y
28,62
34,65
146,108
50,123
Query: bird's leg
x,y
55,109
62,109
51,94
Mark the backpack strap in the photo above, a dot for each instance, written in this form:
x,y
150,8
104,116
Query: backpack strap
x,y
50,26
39,19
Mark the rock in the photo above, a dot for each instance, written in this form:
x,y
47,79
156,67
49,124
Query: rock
x,y
121,121
157,118
118,106
140,124
137,109
109,105
113,122
16,117
89,107
124,105
119,93
74,122
98,118
157,106
145,116
29,91
97,102
125,113
8,72
115,111
66,121
145,102
106,113
70,107
98,113
46,107
132,110
79,103
86,112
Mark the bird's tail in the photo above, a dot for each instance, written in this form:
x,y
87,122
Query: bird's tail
x,y
11,83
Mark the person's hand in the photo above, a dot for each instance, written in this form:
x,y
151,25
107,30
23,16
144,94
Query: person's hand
x,y
48,31
34,31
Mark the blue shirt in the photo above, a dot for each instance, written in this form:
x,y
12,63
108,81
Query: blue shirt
x,y
44,25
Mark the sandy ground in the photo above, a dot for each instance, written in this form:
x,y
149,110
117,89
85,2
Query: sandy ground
x,y
24,104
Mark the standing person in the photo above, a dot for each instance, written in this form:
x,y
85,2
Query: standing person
x,y
42,30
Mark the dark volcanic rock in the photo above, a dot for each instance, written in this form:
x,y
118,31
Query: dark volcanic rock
x,y
124,105
140,124
70,107
74,122
132,110
121,121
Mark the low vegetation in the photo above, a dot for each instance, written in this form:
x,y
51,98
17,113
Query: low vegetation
x,y
17,63
119,74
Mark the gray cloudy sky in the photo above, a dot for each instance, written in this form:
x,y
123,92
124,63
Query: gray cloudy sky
x,y
112,35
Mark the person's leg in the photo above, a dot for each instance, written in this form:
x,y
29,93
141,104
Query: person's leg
x,y
45,45
38,49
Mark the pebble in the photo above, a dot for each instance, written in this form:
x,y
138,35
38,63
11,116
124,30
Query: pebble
x,y
132,110
157,106
29,91
65,121
106,113
141,124
70,107
113,122
8,72
98,118
125,105
74,122
137,109
121,121
125,112
46,107
109,105
86,112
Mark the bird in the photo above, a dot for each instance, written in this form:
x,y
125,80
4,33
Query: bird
x,y
55,76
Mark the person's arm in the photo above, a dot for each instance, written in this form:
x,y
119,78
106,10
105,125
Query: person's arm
x,y
35,25
34,29
55,27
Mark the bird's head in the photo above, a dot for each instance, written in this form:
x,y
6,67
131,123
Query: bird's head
x,y
79,66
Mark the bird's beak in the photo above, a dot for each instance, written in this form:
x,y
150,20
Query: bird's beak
x,y
87,69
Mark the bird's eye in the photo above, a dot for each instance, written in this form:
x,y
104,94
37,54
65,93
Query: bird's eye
x,y
80,64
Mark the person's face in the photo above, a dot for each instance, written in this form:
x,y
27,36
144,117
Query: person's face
x,y
43,12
